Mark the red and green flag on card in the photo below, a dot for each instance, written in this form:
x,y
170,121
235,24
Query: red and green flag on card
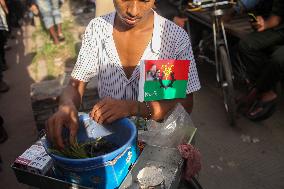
x,y
163,79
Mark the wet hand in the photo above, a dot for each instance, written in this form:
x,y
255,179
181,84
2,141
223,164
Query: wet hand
x,y
109,110
66,116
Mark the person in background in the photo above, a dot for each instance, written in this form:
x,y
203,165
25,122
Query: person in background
x,y
171,10
112,49
32,10
51,15
259,7
3,132
3,38
16,10
3,137
262,54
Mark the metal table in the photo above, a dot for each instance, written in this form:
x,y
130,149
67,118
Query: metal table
x,y
166,158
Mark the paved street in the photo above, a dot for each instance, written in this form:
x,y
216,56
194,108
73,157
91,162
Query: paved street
x,y
248,156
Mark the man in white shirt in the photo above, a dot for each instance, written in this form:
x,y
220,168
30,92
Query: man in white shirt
x,y
112,49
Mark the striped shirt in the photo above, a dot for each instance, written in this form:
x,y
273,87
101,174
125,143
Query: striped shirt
x,y
3,21
98,56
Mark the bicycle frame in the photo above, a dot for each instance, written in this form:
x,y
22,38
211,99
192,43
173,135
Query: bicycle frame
x,y
219,38
224,74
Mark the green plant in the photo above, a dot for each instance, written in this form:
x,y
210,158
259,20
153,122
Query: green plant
x,y
75,151
92,148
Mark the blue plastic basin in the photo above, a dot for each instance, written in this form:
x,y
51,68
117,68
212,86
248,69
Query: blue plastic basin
x,y
106,171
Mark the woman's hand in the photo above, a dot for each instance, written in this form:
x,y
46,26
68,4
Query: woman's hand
x,y
108,110
66,116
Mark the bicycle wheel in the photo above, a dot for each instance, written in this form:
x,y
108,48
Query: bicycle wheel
x,y
227,84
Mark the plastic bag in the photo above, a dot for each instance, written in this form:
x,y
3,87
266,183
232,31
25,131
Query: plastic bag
x,y
176,129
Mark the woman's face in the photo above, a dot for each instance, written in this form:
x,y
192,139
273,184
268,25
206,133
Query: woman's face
x,y
132,12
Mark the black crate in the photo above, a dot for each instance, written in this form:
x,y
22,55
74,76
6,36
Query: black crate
x,y
42,181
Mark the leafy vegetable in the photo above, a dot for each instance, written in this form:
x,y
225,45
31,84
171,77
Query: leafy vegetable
x,y
92,148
